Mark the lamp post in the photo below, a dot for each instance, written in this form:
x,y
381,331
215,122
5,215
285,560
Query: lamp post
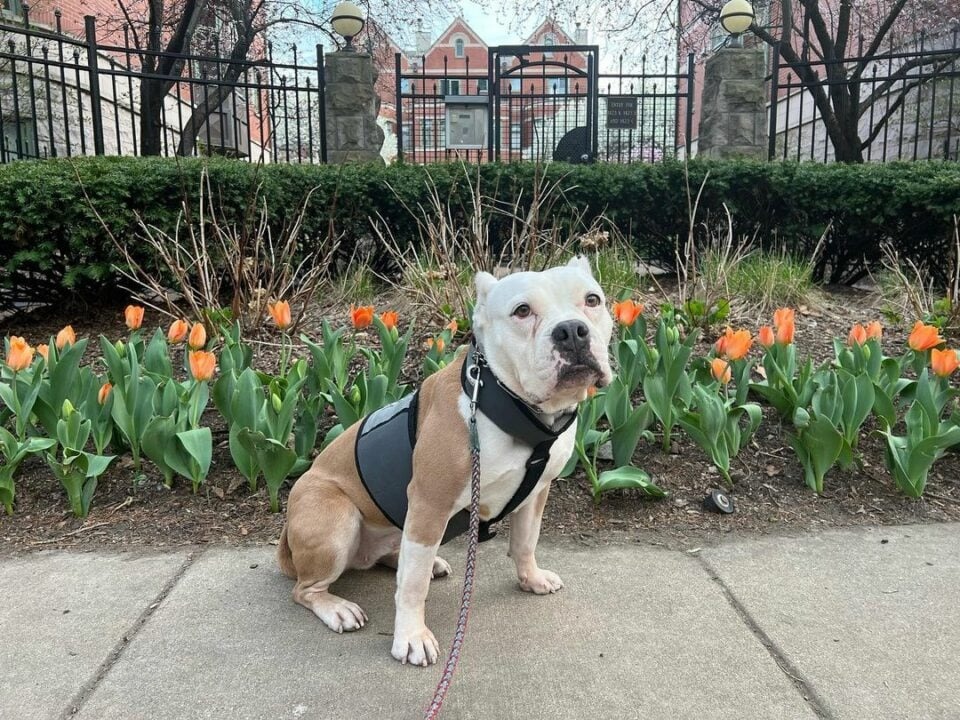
x,y
347,22
736,17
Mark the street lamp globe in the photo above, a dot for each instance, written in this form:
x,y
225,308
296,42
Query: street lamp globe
x,y
347,21
736,17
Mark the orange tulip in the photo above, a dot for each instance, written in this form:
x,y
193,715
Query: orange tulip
x,y
20,355
280,312
453,327
435,343
766,336
627,312
591,391
134,316
104,393
858,335
362,316
198,337
944,362
734,345
66,337
721,370
178,331
202,365
874,331
923,337
389,319
43,351
784,320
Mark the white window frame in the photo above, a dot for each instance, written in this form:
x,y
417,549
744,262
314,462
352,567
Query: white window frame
x,y
459,48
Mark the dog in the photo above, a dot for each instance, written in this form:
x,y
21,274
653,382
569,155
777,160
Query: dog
x,y
541,342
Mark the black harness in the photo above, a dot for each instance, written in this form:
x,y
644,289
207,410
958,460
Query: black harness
x,y
384,448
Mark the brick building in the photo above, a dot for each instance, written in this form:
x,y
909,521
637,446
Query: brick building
x,y
538,103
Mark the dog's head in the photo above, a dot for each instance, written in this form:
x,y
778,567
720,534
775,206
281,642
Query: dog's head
x,y
545,334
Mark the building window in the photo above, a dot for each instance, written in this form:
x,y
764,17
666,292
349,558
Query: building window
x,y
18,140
449,87
407,137
515,136
557,86
433,133
458,47
12,7
482,87
515,86
549,40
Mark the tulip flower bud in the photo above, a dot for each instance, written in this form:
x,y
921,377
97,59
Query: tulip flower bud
x,y
866,351
354,395
654,359
277,403
121,348
801,418
67,409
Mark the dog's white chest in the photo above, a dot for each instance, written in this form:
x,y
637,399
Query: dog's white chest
x,y
503,464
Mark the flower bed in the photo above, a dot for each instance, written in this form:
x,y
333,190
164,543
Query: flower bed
x,y
711,403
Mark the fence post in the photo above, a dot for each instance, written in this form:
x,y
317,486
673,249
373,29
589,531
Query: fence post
x,y
397,69
322,97
774,92
96,115
688,135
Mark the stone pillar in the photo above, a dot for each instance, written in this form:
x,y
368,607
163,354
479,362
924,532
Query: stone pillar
x,y
352,104
733,117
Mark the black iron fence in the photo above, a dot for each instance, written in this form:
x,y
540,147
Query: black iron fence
x,y
901,104
541,103
64,96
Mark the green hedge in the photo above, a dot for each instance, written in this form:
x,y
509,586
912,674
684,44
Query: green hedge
x,y
50,231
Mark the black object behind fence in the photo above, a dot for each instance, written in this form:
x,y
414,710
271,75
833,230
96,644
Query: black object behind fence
x,y
906,101
65,96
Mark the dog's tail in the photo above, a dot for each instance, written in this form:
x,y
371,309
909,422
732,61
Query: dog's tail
x,y
285,557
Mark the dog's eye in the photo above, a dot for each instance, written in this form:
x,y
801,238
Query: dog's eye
x,y
593,300
522,311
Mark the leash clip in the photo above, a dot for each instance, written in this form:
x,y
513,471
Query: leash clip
x,y
473,372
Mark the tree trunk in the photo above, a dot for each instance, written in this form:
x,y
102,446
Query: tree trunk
x,y
151,128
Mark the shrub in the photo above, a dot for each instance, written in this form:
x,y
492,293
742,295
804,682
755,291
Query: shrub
x,y
52,239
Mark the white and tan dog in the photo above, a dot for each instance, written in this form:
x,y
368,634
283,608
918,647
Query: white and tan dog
x,y
545,335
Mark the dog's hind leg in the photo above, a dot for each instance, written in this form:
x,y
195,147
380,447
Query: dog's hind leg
x,y
322,542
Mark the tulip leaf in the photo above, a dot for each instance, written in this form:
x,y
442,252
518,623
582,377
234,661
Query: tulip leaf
x,y
627,477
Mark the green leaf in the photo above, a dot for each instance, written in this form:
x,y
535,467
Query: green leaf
x,y
628,477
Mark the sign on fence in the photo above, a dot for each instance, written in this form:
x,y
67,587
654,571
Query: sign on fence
x,y
621,113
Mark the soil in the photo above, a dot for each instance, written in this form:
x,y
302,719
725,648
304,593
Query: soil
x,y
131,510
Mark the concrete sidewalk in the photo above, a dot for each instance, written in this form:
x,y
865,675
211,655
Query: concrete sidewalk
x,y
841,624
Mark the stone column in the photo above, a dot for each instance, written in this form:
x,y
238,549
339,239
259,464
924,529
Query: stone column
x,y
351,105
733,117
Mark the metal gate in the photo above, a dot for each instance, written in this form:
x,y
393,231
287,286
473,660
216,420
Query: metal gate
x,y
543,102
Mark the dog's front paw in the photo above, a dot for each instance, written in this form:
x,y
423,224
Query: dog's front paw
x,y
419,647
441,568
540,582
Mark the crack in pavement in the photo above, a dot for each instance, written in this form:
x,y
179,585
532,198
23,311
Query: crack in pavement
x,y
803,686
83,694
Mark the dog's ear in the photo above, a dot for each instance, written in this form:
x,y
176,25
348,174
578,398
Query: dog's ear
x,y
484,282
580,261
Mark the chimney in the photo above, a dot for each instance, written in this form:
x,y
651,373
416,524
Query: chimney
x,y
580,35
423,38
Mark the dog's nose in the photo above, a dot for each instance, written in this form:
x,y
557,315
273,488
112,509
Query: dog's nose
x,y
571,336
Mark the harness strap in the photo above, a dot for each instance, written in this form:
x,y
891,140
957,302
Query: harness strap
x,y
517,419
